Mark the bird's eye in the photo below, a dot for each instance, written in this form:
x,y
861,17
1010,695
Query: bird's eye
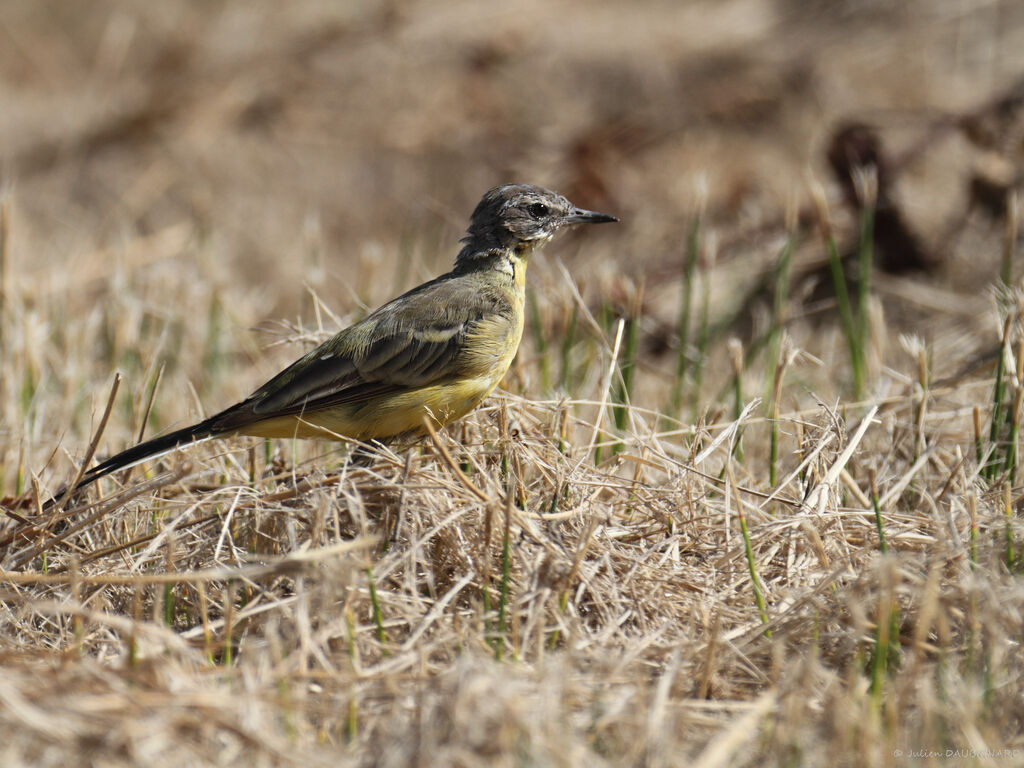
x,y
538,210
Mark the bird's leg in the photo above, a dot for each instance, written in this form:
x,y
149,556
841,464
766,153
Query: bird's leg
x,y
364,453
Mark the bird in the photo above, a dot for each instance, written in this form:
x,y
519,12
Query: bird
x,y
435,352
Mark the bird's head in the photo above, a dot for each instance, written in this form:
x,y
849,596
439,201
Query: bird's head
x,y
522,217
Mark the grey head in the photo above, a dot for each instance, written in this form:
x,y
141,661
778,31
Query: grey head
x,y
521,217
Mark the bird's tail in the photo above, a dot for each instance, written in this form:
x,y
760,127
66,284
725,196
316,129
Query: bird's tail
x,y
158,446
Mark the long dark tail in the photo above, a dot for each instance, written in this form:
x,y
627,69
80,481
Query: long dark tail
x,y
139,453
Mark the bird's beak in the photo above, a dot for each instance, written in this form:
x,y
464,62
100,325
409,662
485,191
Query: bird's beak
x,y
580,216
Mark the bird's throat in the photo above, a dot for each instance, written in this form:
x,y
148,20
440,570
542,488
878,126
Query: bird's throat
x,y
518,265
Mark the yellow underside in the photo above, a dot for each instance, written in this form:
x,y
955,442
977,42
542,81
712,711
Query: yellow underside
x,y
387,416
487,354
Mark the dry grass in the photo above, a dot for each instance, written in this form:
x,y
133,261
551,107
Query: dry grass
x,y
587,570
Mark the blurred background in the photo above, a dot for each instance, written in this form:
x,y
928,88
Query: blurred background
x,y
177,173
194,191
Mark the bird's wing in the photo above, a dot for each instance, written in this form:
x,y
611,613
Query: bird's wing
x,y
411,342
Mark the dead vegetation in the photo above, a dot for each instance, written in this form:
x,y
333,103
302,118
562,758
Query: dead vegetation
x,y
715,517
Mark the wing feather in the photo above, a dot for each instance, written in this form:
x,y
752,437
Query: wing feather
x,y
411,342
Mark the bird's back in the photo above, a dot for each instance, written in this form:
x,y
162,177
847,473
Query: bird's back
x,y
440,349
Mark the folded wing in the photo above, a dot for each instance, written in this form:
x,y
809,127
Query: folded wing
x,y
412,342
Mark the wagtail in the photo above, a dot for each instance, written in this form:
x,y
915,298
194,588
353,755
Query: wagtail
x,y
436,351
